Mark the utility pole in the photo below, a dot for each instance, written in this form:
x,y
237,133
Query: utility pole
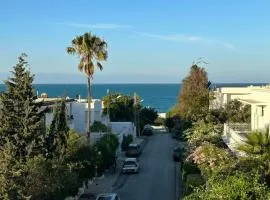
x,y
108,110
135,109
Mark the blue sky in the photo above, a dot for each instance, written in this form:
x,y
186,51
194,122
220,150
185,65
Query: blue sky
x,y
149,41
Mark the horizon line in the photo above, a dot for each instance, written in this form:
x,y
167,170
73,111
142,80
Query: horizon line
x,y
141,83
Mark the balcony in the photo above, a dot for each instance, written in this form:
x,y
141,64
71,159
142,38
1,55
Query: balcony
x,y
234,135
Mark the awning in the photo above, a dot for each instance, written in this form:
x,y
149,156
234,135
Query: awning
x,y
253,102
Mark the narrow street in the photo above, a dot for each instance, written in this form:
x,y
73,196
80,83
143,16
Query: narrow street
x,y
157,177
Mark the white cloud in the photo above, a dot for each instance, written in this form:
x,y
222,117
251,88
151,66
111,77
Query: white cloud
x,y
188,38
98,26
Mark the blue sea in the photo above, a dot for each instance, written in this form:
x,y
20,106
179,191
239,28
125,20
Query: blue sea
x,y
158,96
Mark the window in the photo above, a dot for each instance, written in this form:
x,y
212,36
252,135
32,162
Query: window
x,y
262,111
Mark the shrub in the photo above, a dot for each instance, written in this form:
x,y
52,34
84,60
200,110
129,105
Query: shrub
x,y
48,179
127,139
98,127
181,125
169,123
201,131
192,181
106,148
189,168
237,186
210,158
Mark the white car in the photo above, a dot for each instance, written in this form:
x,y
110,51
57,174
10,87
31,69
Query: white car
x,y
109,196
131,165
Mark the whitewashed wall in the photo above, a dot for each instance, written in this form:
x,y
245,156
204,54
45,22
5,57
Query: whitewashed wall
x,y
79,110
123,128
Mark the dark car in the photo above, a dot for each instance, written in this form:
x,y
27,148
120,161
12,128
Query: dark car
x,y
147,132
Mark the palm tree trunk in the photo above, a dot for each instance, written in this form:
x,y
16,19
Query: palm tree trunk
x,y
89,110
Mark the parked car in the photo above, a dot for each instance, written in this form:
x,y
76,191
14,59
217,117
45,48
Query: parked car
x,y
135,148
109,196
147,131
177,154
131,165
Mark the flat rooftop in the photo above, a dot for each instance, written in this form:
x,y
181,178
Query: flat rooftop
x,y
252,101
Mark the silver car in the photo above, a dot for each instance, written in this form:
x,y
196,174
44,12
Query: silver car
x,y
108,196
131,165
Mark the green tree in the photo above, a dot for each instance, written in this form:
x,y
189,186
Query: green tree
x,y
173,111
21,120
107,146
91,50
56,140
193,100
169,123
257,147
127,139
12,174
21,131
147,115
238,186
99,127
121,107
235,111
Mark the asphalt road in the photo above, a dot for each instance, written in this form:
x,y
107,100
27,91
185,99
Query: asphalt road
x,y
157,177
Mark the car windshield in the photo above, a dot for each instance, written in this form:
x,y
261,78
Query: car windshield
x,y
129,163
132,148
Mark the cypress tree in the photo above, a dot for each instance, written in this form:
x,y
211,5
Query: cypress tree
x,y
21,119
56,139
193,100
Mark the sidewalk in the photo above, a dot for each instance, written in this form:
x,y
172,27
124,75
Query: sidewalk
x,y
103,184
108,181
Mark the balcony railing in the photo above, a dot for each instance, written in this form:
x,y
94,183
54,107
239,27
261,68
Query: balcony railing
x,y
234,135
240,127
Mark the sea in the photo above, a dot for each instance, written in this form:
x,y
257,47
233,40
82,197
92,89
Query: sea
x,y
159,96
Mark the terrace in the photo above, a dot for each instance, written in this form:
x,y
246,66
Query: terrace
x,y
234,134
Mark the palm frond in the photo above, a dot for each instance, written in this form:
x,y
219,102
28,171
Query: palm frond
x,y
99,65
80,66
256,143
71,50
89,69
91,50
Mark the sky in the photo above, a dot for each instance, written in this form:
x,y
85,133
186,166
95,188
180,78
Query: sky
x,y
154,41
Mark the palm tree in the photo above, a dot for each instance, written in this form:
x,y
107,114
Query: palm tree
x,y
91,50
257,148
257,144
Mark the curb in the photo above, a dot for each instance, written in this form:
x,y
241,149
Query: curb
x,y
177,179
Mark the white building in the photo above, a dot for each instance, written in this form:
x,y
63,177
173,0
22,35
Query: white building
x,y
259,100
77,112
225,94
